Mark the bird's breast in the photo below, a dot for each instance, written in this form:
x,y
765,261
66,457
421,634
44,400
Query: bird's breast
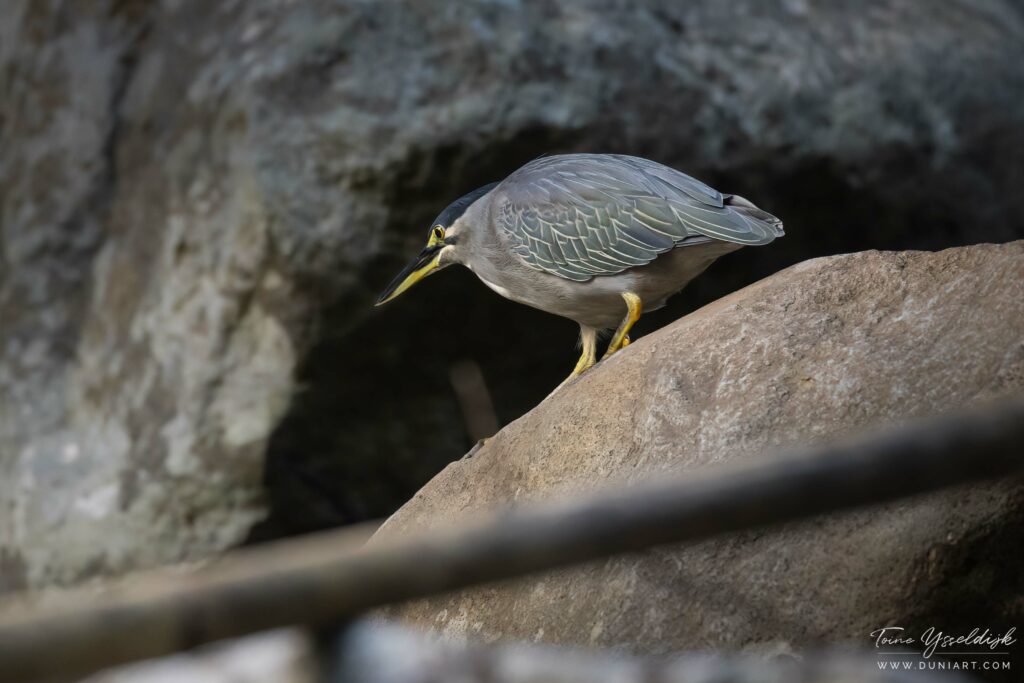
x,y
497,288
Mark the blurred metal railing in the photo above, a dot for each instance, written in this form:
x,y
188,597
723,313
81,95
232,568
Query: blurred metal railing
x,y
334,577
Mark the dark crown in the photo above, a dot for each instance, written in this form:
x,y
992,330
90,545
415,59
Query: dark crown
x,y
459,206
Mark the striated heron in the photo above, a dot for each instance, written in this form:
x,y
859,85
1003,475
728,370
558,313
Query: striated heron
x,y
596,238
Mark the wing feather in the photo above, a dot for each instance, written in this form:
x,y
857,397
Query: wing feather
x,y
583,215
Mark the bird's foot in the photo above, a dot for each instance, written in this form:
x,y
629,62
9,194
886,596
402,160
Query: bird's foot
x,y
588,357
620,339
479,444
580,368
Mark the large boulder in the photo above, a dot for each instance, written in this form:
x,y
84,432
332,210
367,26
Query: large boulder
x,y
826,348
198,200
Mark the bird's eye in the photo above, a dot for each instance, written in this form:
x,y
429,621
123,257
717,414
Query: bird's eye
x,y
438,232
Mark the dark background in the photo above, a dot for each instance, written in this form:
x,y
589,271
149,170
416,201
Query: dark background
x,y
905,135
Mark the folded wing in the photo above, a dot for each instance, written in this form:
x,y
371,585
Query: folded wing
x,y
581,215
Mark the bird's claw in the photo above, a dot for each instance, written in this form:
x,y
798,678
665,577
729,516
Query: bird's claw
x,y
477,446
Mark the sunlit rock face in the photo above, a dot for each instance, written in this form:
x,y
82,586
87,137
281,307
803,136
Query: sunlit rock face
x,y
198,202
827,348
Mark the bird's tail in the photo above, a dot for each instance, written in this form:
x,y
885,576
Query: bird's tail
x,y
747,209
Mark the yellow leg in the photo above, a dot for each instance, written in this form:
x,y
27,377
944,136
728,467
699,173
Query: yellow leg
x,y
587,359
589,355
621,337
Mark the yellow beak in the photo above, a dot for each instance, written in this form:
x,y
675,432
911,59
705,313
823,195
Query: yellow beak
x,y
425,264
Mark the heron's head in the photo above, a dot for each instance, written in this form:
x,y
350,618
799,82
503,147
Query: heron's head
x,y
447,235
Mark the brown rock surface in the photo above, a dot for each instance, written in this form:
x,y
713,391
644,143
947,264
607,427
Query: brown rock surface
x,y
825,348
